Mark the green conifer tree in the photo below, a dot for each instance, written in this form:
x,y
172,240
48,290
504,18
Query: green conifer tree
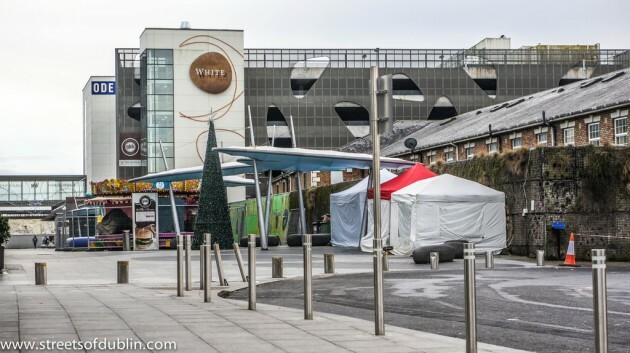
x,y
213,215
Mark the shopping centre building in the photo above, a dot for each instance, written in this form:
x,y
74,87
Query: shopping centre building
x,y
168,88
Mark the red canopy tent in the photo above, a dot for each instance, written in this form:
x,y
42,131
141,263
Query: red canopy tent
x,y
410,176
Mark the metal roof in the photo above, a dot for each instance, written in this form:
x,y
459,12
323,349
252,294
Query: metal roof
x,y
579,98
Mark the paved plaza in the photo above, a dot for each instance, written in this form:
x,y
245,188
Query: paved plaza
x,y
82,302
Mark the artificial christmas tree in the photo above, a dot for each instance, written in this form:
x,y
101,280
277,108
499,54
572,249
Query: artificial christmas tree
x,y
213,215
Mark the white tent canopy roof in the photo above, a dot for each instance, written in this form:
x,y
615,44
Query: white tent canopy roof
x,y
304,160
449,188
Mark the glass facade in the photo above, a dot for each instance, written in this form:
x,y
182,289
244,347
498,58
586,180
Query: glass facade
x,y
42,190
128,110
157,108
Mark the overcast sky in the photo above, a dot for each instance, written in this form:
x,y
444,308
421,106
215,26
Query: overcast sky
x,y
51,48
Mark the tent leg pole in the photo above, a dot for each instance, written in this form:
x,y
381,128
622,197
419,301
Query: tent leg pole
x,y
364,220
302,210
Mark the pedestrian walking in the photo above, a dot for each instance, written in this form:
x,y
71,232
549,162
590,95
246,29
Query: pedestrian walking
x,y
35,241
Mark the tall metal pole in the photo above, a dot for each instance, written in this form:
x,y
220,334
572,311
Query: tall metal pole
x,y
261,220
269,193
470,298
170,195
376,181
600,313
299,182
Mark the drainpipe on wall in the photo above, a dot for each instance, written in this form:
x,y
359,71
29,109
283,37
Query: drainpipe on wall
x,y
456,151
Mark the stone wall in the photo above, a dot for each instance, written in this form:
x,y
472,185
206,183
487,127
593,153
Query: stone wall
x,y
588,188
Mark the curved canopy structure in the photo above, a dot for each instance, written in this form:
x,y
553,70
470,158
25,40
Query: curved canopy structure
x,y
179,174
304,160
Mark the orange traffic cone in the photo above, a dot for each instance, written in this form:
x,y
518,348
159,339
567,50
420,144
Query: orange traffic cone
x,y
569,260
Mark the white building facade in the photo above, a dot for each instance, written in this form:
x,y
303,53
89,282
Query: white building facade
x,y
99,128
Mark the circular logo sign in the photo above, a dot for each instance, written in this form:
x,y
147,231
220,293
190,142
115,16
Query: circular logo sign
x,y
130,147
145,202
211,72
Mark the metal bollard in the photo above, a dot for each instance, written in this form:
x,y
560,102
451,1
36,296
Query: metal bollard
x,y
188,256
434,259
123,272
207,273
540,257
329,263
41,273
489,259
600,312
276,267
126,238
470,298
202,266
385,261
217,257
308,276
202,258
239,261
180,265
251,265
379,305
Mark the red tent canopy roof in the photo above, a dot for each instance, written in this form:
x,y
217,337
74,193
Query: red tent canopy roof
x,y
410,176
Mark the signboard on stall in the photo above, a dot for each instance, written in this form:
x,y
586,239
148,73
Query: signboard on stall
x,y
145,221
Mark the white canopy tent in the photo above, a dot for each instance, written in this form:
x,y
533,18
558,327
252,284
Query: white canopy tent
x,y
443,208
347,209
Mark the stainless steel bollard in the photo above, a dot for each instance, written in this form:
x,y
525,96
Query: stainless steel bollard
x,y
180,265
385,261
489,259
470,298
308,276
600,312
41,273
126,237
379,307
123,272
217,257
329,263
251,265
239,261
434,260
188,256
202,266
276,267
207,273
540,257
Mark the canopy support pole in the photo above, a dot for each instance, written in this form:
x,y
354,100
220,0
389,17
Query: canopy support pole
x,y
261,220
171,197
299,182
269,190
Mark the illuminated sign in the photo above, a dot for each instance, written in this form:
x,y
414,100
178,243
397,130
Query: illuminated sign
x,y
103,87
211,72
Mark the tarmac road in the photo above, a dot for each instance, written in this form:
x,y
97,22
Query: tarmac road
x,y
518,306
